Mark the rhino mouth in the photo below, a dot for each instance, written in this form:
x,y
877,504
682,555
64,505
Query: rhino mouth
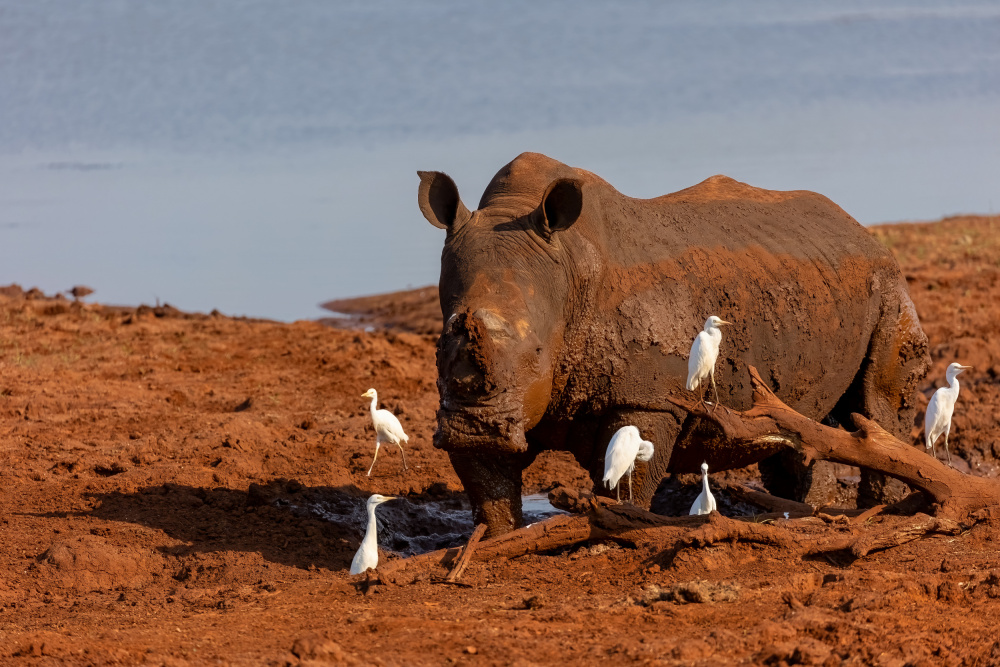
x,y
480,427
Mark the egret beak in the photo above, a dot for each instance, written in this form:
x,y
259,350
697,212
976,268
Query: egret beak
x,y
724,322
965,368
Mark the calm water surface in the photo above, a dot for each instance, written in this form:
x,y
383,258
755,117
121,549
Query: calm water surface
x,y
259,157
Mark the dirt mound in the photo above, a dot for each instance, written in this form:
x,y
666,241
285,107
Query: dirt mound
x,y
415,311
180,488
88,563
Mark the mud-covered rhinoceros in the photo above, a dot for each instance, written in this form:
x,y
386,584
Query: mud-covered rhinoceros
x,y
569,311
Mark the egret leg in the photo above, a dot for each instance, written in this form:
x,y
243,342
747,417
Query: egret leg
x,y
404,456
946,450
716,390
377,443
701,396
368,581
618,492
630,487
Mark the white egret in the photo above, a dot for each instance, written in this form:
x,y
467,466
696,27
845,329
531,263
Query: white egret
x,y
366,559
704,353
387,429
626,447
705,502
941,407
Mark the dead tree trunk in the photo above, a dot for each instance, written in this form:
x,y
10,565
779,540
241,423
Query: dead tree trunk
x,y
769,420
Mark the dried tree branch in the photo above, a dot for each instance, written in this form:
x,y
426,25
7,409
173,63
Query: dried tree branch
x,y
770,420
463,560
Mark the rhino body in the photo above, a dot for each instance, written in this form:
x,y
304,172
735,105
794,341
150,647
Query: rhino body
x,y
569,310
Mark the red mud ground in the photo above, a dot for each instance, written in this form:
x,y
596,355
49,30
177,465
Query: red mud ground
x,y
151,462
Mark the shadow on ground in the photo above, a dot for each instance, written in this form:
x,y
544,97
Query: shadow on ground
x,y
287,522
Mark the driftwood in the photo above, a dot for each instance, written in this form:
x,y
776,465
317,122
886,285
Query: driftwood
x,y
604,520
463,560
893,536
769,420
629,524
722,529
886,537
767,501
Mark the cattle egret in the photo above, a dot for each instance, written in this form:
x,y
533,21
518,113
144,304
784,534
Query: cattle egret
x,y
366,559
939,410
705,502
704,353
626,447
387,429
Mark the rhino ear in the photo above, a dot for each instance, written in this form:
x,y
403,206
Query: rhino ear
x,y
561,206
439,201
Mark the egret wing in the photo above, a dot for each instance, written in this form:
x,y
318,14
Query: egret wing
x,y
697,506
711,504
621,453
700,362
939,411
363,560
389,426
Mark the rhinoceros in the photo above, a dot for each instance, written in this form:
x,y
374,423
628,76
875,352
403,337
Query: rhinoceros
x,y
569,310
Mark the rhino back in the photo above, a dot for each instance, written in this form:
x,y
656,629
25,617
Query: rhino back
x,y
802,280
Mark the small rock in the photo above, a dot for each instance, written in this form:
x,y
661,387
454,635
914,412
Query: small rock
x,y
315,647
534,602
471,650
692,592
570,499
80,291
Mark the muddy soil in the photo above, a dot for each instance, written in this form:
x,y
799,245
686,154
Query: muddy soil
x,y
188,489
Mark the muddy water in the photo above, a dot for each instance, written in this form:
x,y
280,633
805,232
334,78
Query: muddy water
x,y
410,527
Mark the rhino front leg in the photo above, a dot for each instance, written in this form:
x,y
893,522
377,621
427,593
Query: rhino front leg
x,y
493,484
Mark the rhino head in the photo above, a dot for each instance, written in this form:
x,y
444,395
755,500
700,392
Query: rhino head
x,y
505,289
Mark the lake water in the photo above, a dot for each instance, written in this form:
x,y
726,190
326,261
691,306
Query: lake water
x,y
259,157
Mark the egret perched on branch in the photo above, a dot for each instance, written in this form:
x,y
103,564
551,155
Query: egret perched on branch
x,y
705,502
704,353
939,410
367,557
387,428
626,447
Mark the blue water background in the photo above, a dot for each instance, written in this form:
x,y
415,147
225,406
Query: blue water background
x,y
258,156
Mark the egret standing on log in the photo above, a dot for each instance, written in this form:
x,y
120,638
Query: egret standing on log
x,y
705,502
387,428
941,407
367,557
626,447
704,353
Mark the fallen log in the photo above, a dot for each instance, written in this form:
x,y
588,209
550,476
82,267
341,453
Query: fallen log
x,y
894,536
604,520
767,501
552,533
722,529
887,536
770,421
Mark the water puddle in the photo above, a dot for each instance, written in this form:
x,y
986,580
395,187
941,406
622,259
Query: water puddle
x,y
411,527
